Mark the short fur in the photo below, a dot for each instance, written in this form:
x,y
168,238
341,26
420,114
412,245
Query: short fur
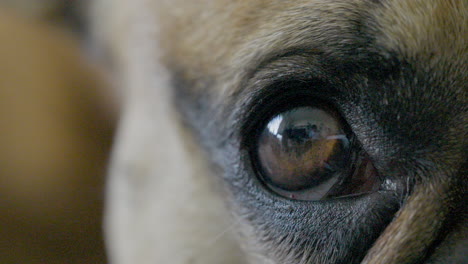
x,y
200,74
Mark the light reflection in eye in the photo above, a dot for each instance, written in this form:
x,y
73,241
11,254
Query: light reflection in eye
x,y
302,148
306,154
274,126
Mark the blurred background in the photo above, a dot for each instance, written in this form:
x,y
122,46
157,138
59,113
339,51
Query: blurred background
x,y
57,119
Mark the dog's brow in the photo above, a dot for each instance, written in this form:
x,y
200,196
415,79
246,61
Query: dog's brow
x,y
273,67
283,56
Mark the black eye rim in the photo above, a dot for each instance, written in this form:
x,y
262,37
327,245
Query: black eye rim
x,y
279,97
284,96
261,176
311,181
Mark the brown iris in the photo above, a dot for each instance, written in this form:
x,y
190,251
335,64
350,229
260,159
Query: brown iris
x,y
304,152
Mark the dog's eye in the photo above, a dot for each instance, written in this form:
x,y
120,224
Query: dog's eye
x,y
306,153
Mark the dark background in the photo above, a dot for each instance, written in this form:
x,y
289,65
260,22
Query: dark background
x,y
57,117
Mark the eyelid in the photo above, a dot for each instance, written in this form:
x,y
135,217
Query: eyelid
x,y
302,59
300,65
265,101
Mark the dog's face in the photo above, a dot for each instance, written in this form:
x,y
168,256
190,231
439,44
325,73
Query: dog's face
x,y
289,131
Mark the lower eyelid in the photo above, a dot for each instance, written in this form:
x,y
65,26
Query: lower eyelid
x,y
310,195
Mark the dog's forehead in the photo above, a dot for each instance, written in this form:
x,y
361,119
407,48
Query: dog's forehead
x,y
220,35
425,28
210,38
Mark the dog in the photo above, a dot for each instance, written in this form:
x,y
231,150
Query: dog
x,y
275,132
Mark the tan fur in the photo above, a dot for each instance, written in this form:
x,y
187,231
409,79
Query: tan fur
x,y
413,230
150,174
191,34
220,40
437,29
431,29
256,28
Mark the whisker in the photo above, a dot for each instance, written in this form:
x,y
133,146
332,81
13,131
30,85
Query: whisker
x,y
222,233
215,240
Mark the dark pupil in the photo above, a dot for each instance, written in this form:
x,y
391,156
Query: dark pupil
x,y
302,148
